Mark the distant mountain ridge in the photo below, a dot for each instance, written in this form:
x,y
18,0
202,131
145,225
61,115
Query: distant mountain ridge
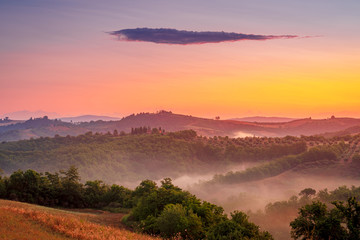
x,y
45,127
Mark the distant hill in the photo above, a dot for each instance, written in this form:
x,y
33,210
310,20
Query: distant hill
x,y
348,131
264,119
88,118
41,127
24,115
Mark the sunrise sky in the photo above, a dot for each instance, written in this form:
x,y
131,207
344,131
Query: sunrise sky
x,y
58,56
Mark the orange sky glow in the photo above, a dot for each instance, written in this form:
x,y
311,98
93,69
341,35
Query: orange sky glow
x,y
302,77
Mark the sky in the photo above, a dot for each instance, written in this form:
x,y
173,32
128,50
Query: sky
x,y
60,57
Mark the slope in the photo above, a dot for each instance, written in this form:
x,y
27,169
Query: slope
x,y
27,221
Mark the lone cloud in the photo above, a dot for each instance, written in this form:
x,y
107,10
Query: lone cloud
x,y
173,36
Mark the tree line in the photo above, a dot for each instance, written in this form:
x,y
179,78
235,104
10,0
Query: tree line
x,y
280,165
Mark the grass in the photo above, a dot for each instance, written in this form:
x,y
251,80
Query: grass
x,y
18,227
30,222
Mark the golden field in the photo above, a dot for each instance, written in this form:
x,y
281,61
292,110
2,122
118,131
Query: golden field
x,y
22,221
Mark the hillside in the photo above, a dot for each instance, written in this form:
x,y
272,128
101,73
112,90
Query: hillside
x,y
88,118
153,154
132,157
32,222
338,157
44,127
262,119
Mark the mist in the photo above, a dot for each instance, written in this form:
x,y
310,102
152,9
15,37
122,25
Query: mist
x,y
252,197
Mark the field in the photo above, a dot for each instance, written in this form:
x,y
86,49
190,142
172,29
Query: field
x,y
22,221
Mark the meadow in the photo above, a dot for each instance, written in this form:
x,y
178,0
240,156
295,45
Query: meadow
x,y
22,221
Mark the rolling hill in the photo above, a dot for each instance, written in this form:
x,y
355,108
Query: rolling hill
x,y
262,119
88,118
133,157
44,127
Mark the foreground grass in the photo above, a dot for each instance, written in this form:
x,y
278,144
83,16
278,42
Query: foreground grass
x,y
18,227
26,221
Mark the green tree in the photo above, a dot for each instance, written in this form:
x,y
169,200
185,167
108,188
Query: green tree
x,y
317,223
238,227
176,220
2,185
95,192
72,189
351,216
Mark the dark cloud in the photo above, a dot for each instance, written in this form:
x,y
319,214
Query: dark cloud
x,y
173,36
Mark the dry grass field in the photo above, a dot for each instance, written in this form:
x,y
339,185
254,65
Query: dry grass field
x,y
21,221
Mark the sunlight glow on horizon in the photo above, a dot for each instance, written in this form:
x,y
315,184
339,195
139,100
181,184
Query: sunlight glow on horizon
x,y
76,69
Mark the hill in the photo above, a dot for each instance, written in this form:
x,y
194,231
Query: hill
x,y
44,127
24,115
338,157
136,156
32,222
153,154
88,118
262,119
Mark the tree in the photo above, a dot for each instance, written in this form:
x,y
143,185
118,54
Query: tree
x,y
238,227
95,192
351,217
145,188
2,185
307,192
72,190
316,222
176,220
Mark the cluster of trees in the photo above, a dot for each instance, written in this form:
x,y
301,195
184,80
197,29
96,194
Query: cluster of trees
x,y
147,130
281,165
171,212
308,195
132,157
5,120
62,189
278,215
167,210
316,221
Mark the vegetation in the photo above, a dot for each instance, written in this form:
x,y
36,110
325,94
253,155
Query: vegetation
x,y
5,120
31,222
62,189
278,215
140,155
167,210
277,166
315,221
